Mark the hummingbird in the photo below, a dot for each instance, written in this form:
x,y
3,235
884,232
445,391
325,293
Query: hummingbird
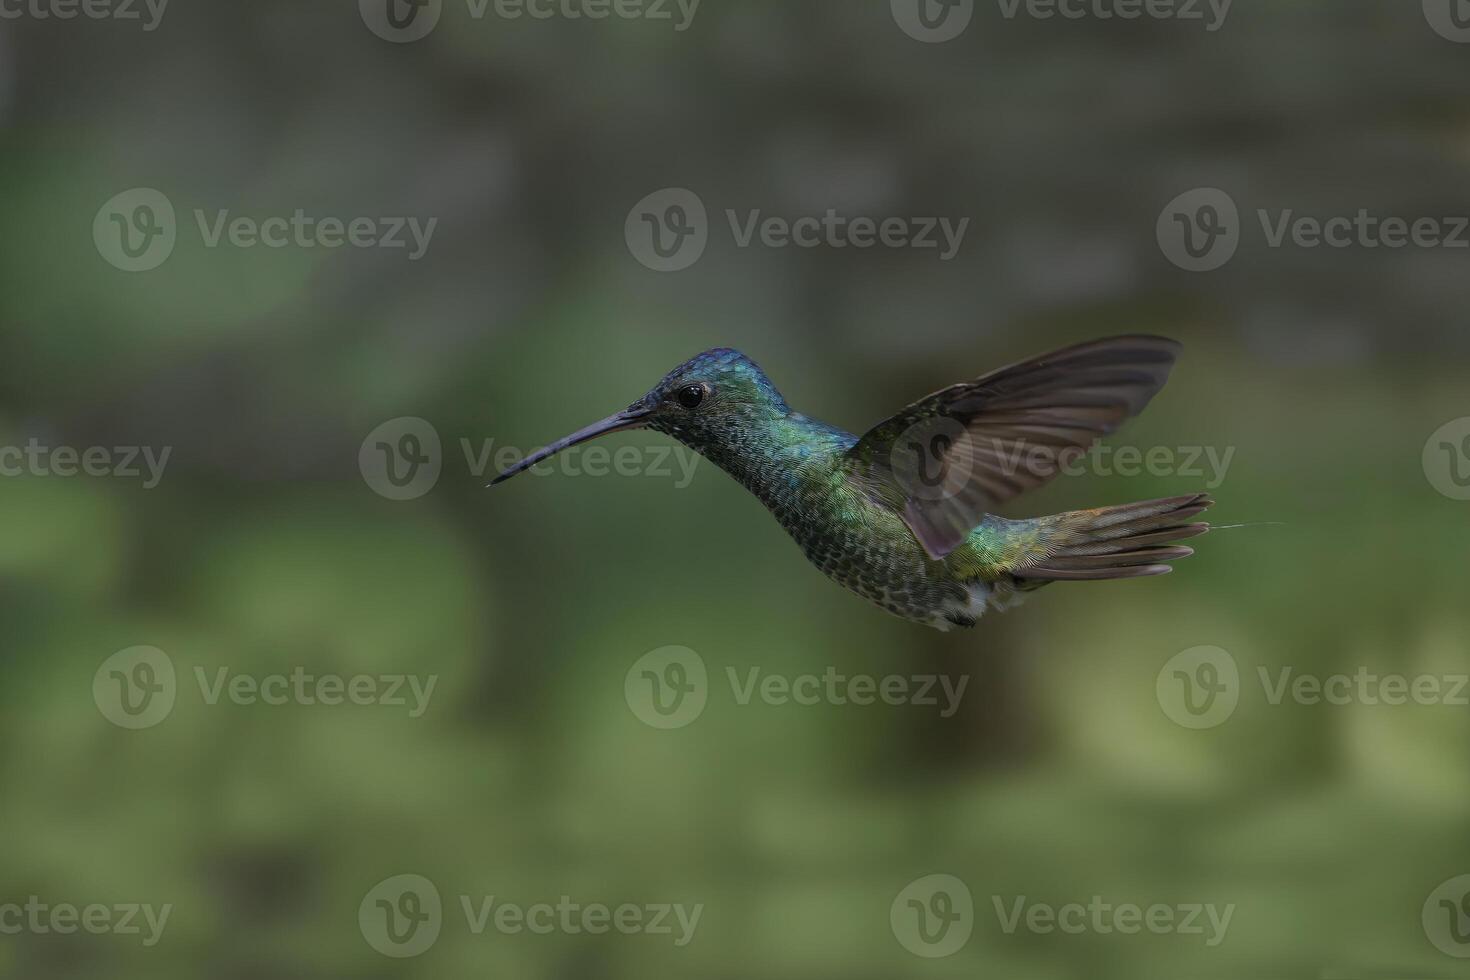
x,y
904,515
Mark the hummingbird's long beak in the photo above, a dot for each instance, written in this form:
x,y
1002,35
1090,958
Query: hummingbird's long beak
x,y
630,418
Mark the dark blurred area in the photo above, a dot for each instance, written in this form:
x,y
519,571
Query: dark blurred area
x,y
306,280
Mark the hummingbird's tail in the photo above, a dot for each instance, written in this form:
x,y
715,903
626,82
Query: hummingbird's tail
x,y
1130,541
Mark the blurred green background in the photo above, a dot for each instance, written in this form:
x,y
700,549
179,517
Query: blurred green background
x,y
529,777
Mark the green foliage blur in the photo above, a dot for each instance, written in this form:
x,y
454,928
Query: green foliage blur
x,y
263,550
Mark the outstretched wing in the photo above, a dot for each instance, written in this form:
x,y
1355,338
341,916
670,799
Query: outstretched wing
x,y
950,458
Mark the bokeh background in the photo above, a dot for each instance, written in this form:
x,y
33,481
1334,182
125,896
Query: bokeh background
x,y
1061,777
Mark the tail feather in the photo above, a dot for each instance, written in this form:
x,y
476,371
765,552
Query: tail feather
x,y
1110,546
1130,541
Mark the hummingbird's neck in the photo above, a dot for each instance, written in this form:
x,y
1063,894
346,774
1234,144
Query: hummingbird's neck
x,y
781,457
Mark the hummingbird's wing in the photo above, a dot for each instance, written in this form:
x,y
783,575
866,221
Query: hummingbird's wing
x,y
950,458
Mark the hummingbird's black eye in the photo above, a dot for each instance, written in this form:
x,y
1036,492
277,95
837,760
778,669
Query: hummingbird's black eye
x,y
690,396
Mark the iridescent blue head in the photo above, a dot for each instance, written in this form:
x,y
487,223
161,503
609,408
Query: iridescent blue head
x,y
707,401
